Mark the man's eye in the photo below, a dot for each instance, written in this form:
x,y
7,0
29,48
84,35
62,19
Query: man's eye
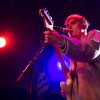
x,y
73,22
67,25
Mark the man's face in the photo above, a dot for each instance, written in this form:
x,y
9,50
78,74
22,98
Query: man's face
x,y
74,28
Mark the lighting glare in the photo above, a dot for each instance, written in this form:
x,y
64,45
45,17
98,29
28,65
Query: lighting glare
x,y
59,66
2,42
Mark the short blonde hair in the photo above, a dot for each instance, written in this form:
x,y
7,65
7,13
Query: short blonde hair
x,y
77,18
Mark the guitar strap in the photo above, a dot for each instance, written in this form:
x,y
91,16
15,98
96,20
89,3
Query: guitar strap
x,y
74,76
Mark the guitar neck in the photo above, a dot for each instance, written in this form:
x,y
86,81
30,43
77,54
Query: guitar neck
x,y
61,60
49,25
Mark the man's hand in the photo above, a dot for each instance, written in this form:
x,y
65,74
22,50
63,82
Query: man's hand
x,y
51,37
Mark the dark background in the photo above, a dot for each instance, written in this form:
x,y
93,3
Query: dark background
x,y
21,24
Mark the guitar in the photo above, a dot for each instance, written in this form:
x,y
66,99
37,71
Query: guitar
x,y
49,23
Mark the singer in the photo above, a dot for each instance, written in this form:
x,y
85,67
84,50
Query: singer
x,y
83,49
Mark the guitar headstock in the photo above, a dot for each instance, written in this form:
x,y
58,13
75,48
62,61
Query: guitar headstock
x,y
48,22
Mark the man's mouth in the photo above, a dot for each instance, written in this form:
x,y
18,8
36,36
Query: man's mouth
x,y
70,31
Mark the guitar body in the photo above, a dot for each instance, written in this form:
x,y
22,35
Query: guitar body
x,y
66,89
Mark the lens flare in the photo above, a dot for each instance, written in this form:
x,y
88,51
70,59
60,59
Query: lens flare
x,y
2,42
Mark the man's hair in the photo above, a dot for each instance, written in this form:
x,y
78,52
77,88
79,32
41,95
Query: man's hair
x,y
78,18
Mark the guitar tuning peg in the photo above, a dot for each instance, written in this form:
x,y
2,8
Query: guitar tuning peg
x,y
45,9
50,17
47,12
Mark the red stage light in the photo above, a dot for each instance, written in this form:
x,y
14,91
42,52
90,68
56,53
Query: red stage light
x,y
2,42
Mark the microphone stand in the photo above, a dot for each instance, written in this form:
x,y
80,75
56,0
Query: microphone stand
x,y
30,71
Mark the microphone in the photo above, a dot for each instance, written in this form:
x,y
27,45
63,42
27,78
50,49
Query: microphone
x,y
62,29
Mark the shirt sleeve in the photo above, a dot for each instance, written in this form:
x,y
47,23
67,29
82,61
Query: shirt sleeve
x,y
84,51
